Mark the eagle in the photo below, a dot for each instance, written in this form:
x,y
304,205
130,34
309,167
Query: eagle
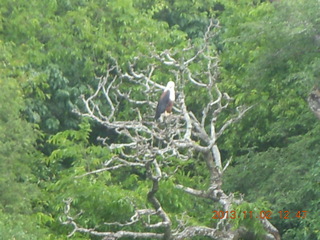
x,y
314,101
166,100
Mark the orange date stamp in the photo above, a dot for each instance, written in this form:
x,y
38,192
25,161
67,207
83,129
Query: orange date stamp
x,y
260,215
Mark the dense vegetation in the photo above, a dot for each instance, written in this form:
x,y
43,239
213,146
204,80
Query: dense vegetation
x,y
51,53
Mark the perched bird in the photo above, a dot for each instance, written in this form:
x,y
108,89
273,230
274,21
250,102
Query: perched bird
x,y
166,100
314,101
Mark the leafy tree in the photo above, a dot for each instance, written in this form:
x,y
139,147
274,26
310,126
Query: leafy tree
x,y
19,192
288,178
191,17
270,59
65,45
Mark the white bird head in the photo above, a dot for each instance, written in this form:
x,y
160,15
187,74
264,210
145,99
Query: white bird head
x,y
170,85
170,88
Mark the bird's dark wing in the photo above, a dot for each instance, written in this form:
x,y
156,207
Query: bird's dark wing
x,y
162,104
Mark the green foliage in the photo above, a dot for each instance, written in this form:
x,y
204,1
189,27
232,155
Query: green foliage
x,y
270,60
264,65
288,178
19,192
21,227
192,17
16,138
62,46
103,197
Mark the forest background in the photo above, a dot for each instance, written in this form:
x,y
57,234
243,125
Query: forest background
x,y
52,53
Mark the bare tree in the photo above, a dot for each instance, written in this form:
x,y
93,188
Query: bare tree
x,y
182,135
314,101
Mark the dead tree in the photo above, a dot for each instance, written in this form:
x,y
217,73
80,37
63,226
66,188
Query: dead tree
x,y
182,135
314,101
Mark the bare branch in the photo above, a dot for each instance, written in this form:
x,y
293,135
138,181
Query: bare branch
x,y
123,164
205,45
135,218
241,113
193,231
